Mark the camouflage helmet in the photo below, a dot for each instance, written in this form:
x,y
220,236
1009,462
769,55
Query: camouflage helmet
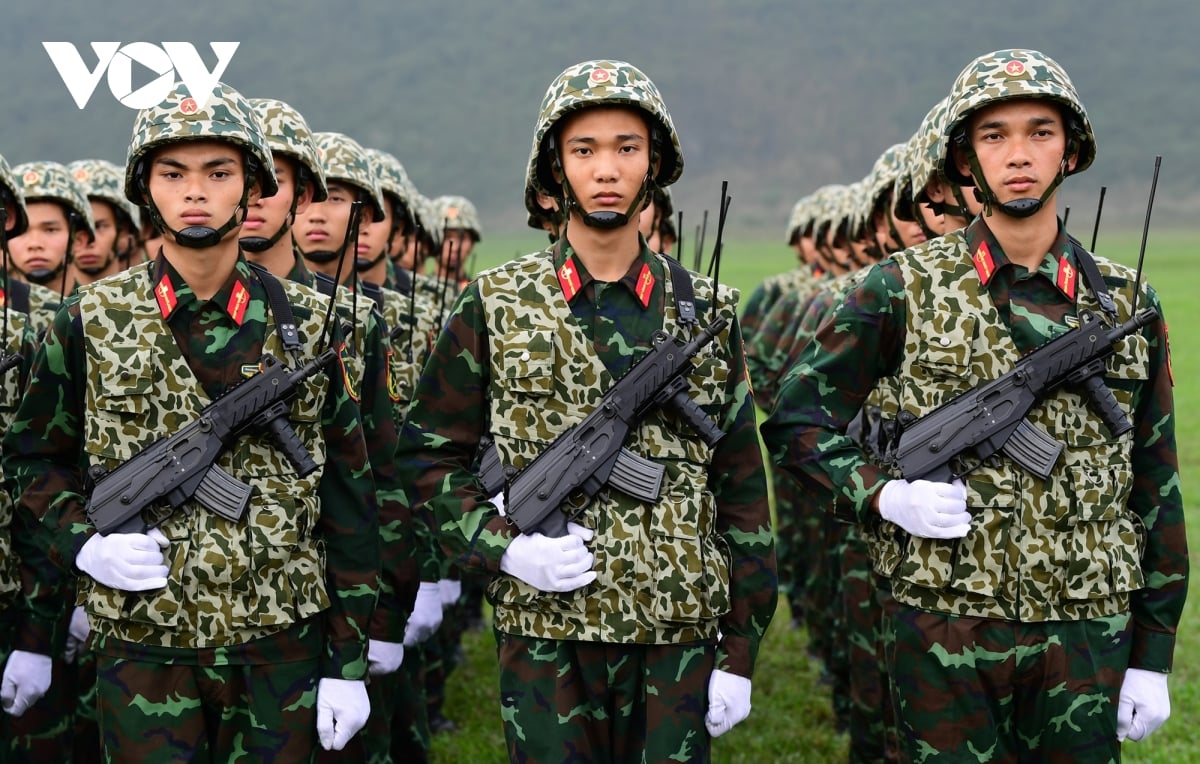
x,y
227,116
859,203
888,167
799,220
826,201
51,181
457,213
1011,74
288,134
345,161
103,180
603,83
11,187
393,178
431,227
927,151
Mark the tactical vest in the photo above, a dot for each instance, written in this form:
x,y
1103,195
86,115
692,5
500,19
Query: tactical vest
x,y
10,398
229,582
663,570
1065,548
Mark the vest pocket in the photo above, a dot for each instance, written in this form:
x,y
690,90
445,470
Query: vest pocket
x,y
944,343
1101,547
689,564
286,578
126,376
527,362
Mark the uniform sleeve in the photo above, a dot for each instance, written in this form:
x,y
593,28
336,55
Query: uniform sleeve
x,y
398,573
738,479
42,456
349,528
440,440
832,377
1156,498
762,346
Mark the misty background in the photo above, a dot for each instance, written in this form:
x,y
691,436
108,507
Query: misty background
x,y
776,96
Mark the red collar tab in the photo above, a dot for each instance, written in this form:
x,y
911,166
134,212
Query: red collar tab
x,y
645,285
1067,277
568,278
164,292
239,299
985,264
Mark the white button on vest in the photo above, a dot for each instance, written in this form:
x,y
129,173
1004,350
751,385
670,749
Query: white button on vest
x,y
525,356
945,342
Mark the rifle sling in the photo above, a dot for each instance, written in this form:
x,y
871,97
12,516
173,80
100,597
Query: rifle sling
x,y
685,295
285,321
1095,281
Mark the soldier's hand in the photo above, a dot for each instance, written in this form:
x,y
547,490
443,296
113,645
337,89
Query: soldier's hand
x,y
1144,705
26,680
926,509
132,562
551,564
342,710
384,657
426,616
449,590
77,633
728,701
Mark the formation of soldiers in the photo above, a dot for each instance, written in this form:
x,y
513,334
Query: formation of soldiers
x,y
316,615
69,226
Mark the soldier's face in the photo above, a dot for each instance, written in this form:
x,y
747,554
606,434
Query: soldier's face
x,y
198,183
605,157
1020,146
100,255
456,248
267,215
910,233
43,246
372,238
322,227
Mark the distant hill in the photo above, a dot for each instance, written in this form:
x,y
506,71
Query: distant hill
x,y
777,96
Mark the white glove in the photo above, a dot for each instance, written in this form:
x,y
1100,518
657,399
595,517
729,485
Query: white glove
x,y
551,564
1144,705
926,509
498,500
426,616
26,679
384,657
77,633
132,562
449,590
342,710
728,701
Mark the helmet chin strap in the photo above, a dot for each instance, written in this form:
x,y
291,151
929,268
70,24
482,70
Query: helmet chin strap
x,y
604,220
200,236
363,264
1017,208
262,243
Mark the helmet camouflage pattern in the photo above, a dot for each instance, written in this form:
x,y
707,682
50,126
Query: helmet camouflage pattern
x,y
859,203
456,213
345,161
14,201
393,178
103,180
800,219
430,224
888,167
1008,74
288,134
603,83
227,116
51,181
827,202
928,149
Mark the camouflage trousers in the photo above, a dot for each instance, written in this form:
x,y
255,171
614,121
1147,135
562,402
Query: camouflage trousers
x,y
154,712
970,689
586,702
789,545
397,731
867,680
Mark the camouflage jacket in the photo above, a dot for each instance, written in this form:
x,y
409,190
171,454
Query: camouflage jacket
x,y
43,304
134,357
702,559
1064,550
18,339
764,297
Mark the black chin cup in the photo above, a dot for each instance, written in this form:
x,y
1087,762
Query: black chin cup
x,y
198,237
255,243
321,256
605,220
41,276
1021,208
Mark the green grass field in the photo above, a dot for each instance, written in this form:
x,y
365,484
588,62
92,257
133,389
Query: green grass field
x,y
792,720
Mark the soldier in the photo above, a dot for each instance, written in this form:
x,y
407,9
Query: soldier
x,y
653,606
543,211
249,636
655,219
1041,623
60,221
115,218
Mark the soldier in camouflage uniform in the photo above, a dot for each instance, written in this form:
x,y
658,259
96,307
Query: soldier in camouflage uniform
x,y
627,638
543,211
1040,624
657,215
60,221
115,219
215,640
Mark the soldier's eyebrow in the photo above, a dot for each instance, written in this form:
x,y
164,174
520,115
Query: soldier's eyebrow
x,y
211,163
621,138
996,124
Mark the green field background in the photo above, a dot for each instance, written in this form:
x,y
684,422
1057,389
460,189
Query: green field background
x,y
792,720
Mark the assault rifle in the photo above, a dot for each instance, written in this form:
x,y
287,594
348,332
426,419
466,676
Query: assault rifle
x,y
144,491
991,418
562,480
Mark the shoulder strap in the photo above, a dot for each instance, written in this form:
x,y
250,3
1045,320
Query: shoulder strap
x,y
285,320
685,293
20,296
1091,273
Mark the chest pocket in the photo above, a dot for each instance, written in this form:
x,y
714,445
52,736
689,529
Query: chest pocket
x,y
527,363
944,343
125,396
